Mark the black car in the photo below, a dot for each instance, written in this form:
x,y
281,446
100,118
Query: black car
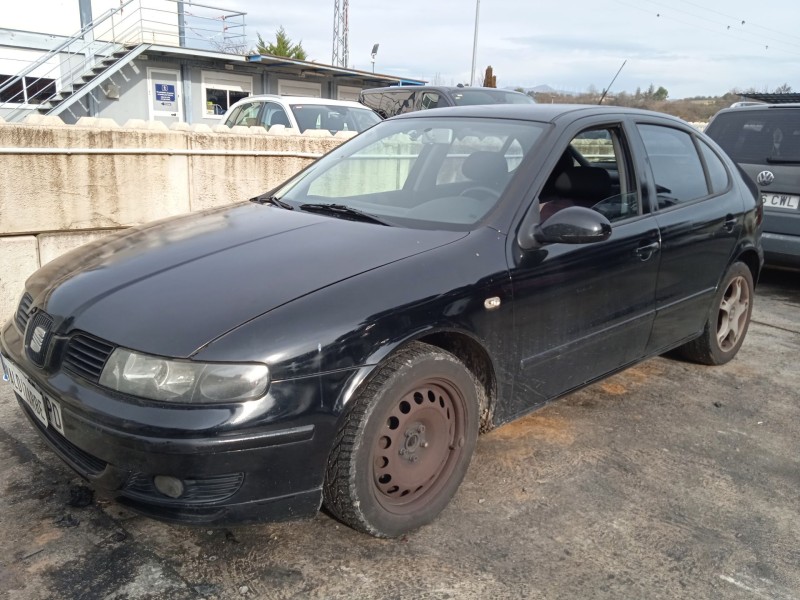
x,y
344,338
765,140
398,100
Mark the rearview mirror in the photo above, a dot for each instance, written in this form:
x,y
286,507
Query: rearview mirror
x,y
572,225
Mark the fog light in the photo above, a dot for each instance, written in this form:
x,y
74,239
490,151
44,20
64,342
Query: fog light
x,y
169,486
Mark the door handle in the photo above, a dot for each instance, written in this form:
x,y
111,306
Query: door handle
x,y
647,250
730,223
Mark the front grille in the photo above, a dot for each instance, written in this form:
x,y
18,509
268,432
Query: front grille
x,y
196,491
86,356
23,314
37,337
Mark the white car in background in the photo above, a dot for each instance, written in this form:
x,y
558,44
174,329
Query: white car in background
x,y
300,112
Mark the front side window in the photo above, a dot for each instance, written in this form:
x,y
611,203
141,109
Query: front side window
x,y
274,114
426,172
595,171
676,166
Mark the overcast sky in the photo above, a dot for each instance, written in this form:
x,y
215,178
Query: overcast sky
x,y
691,47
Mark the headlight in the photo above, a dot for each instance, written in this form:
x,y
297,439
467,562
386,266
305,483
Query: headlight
x,y
184,381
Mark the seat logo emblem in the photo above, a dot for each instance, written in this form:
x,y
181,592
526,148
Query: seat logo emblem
x,y
37,339
765,178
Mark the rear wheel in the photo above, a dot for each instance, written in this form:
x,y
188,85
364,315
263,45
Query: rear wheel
x,y
405,444
727,321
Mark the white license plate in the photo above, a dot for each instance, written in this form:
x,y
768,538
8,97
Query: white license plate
x,y
780,201
46,409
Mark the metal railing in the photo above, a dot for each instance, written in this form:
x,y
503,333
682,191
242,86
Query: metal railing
x,y
100,44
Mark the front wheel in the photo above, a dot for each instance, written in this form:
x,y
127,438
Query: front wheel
x,y
727,321
405,444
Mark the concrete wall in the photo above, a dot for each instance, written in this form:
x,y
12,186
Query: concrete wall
x,y
62,186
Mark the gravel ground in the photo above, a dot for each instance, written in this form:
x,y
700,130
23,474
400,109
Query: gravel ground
x,y
669,480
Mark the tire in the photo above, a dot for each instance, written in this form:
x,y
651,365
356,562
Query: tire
x,y
405,443
728,320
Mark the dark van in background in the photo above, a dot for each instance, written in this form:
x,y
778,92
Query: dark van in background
x,y
391,101
765,140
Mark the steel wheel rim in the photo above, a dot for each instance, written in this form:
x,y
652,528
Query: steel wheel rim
x,y
418,446
733,314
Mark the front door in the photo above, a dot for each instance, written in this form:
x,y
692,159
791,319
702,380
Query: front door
x,y
582,311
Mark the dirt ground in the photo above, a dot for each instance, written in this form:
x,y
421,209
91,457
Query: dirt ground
x,y
670,480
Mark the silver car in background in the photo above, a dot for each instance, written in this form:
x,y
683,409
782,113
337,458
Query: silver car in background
x,y
301,113
764,140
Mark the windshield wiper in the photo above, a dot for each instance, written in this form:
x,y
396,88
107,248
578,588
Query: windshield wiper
x,y
345,211
783,161
273,200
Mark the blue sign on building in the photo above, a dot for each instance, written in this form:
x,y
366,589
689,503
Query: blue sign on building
x,y
165,92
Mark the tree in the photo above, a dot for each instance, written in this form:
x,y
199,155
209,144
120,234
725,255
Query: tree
x,y
282,47
660,94
783,89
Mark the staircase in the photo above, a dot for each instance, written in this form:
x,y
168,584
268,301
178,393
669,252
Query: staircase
x,y
87,84
72,72
75,75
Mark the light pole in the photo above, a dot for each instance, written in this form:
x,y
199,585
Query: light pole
x,y
475,42
374,54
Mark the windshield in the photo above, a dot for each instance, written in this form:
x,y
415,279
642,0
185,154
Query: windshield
x,y
425,172
468,97
758,136
333,118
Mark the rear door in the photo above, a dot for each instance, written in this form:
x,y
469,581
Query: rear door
x,y
700,214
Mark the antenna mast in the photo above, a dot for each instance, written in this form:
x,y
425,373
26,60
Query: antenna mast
x,y
341,45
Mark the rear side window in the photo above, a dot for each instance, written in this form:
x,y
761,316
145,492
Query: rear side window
x,y
676,166
389,104
758,136
429,100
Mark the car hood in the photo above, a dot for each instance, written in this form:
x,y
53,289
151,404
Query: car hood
x,y
171,287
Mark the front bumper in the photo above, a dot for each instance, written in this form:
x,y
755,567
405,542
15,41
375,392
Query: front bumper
x,y
263,461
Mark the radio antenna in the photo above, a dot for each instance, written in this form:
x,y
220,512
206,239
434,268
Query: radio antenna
x,y
605,91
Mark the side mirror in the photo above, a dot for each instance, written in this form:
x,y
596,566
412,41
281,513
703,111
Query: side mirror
x,y
572,225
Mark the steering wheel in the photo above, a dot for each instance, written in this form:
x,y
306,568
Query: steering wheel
x,y
480,192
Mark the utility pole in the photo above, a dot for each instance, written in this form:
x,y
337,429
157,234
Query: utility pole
x,y
475,42
341,32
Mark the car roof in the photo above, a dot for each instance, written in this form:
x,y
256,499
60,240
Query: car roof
x,y
547,113
301,100
760,107
446,88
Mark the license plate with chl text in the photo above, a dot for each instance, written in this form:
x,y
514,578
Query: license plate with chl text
x,y
781,201
46,409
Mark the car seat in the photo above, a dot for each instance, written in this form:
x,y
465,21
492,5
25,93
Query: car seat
x,y
486,169
578,186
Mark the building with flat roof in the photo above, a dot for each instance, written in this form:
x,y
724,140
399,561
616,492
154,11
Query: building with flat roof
x,y
165,60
